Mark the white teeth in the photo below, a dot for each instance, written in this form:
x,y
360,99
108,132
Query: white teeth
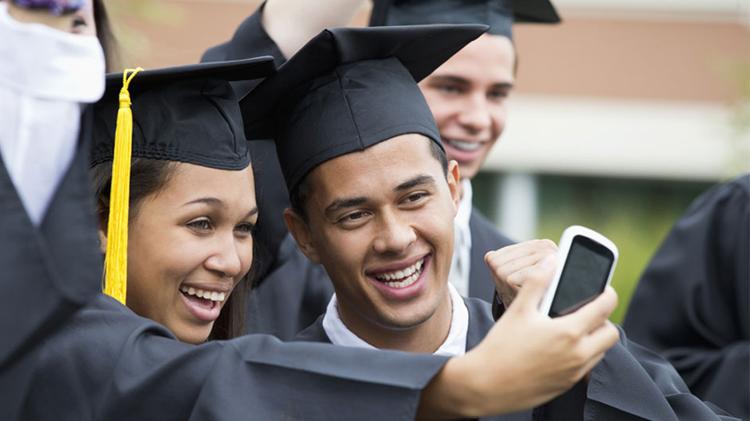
x,y
206,295
464,146
402,278
405,283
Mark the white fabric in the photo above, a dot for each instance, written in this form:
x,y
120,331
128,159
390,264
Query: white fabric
x,y
45,76
454,344
461,263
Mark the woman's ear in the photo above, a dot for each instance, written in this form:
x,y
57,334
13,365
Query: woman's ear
x,y
102,241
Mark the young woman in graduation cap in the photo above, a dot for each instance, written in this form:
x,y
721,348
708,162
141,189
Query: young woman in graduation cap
x,y
177,212
188,232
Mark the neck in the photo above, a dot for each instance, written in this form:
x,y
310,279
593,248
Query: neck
x,y
423,337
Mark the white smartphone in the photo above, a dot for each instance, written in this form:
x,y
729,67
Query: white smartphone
x,y
586,261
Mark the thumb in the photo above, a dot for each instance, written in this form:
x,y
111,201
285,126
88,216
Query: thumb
x,y
535,285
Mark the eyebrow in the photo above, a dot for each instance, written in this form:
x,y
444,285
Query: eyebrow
x,y
462,81
212,201
253,212
419,180
349,202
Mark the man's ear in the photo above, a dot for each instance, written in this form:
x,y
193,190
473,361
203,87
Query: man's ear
x,y
102,241
454,179
299,229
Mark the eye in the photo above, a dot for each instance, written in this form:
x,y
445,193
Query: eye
x,y
498,94
245,229
200,225
78,22
354,216
353,219
415,198
450,89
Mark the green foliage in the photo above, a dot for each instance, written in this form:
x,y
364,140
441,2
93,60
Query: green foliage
x,y
635,214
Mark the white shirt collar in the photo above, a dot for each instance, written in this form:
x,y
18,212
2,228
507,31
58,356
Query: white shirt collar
x,y
461,262
464,206
454,344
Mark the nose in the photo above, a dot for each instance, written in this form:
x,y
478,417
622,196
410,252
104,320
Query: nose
x,y
394,235
225,258
475,114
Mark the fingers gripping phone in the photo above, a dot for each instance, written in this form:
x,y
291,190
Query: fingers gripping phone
x,y
586,261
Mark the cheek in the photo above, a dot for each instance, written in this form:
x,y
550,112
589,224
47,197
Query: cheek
x,y
435,222
343,250
168,254
246,256
443,109
498,116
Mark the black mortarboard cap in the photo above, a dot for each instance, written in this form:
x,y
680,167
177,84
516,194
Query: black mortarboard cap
x,y
185,113
498,14
348,89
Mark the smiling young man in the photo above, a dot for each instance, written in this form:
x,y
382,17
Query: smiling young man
x,y
386,241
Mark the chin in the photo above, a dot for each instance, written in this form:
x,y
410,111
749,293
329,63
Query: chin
x,y
408,318
193,336
468,171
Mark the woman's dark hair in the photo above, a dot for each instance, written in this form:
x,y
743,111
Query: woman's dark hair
x,y
147,177
105,35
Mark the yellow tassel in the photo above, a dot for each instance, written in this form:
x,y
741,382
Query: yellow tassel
x,y
116,259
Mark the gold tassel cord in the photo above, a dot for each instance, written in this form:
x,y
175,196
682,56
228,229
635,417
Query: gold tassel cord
x,y
116,259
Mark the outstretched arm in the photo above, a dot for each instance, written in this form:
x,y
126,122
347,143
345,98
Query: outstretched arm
x,y
291,23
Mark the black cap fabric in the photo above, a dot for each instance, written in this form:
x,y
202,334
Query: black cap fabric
x,y
349,89
498,14
186,114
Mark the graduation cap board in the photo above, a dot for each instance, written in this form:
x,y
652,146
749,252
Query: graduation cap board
x,y
186,114
349,89
498,14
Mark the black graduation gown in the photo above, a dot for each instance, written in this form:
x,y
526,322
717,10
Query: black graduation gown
x,y
110,364
291,297
693,301
484,237
49,271
630,383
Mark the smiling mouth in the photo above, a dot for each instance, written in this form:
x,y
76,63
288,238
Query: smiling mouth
x,y
202,294
402,278
463,145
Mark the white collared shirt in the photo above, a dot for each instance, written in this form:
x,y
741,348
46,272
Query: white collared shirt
x,y
461,263
454,344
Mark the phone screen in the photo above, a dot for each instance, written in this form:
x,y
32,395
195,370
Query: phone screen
x,y
583,277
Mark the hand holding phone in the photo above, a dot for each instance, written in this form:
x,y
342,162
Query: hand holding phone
x,y
586,261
